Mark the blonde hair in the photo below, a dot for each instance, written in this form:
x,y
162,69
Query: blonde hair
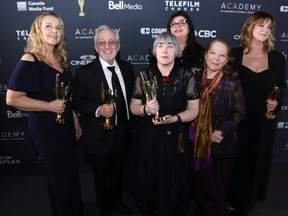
x,y
35,42
246,35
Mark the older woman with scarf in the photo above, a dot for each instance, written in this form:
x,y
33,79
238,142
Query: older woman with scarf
x,y
222,107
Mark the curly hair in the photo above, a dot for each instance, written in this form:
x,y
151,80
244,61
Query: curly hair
x,y
35,42
246,35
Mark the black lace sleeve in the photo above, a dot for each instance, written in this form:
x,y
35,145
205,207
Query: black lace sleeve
x,y
192,89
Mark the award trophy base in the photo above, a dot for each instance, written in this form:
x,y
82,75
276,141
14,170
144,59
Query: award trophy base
x,y
158,117
60,121
107,124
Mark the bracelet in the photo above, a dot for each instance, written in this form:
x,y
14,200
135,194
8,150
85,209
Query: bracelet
x,y
144,111
179,120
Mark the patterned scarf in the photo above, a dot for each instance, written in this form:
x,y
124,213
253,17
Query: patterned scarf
x,y
202,144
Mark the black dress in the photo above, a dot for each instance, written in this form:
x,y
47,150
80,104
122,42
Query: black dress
x,y
249,133
161,177
55,143
255,133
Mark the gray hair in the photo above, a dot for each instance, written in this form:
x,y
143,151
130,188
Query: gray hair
x,y
167,37
105,27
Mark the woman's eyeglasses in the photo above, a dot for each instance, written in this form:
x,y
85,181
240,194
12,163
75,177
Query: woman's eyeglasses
x,y
179,24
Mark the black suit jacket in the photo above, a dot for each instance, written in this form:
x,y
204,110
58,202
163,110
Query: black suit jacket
x,y
86,99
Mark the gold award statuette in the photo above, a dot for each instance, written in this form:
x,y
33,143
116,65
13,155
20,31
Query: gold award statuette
x,y
109,99
62,93
81,5
275,93
149,88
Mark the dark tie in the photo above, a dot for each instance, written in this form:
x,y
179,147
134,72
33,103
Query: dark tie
x,y
120,100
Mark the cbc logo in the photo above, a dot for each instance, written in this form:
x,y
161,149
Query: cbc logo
x,y
283,8
206,33
152,30
236,37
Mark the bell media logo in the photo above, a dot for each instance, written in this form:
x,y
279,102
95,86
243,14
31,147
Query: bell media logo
x,y
121,5
22,6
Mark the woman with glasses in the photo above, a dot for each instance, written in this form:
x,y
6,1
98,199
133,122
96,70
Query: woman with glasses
x,y
180,25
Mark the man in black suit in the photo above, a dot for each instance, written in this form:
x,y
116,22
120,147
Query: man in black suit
x,y
105,148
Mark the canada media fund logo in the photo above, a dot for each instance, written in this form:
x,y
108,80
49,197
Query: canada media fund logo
x,y
33,6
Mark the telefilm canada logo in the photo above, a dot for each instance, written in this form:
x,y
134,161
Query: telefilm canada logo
x,y
22,34
33,6
233,7
182,5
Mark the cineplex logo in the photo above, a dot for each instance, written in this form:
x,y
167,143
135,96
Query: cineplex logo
x,y
9,160
123,6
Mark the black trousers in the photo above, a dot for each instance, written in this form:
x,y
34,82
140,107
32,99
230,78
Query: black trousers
x,y
210,188
108,173
62,177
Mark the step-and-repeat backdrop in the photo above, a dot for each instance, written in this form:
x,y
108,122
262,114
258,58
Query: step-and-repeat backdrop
x,y
138,22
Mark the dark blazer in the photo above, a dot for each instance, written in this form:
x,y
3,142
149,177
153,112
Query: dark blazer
x,y
86,99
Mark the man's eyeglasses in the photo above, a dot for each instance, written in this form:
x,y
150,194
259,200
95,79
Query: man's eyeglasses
x,y
179,24
104,43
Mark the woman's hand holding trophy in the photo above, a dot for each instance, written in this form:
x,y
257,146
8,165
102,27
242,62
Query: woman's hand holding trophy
x,y
62,93
274,95
149,88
